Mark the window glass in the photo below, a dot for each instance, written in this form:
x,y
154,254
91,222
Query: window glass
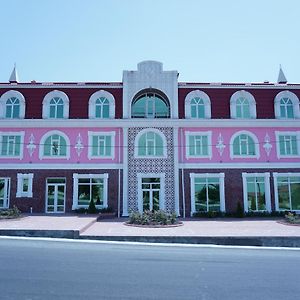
x,y
12,108
207,194
90,188
288,145
150,144
101,145
288,189
256,193
150,105
286,108
11,145
102,108
243,145
55,145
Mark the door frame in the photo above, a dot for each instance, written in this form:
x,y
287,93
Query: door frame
x,y
55,184
161,176
6,191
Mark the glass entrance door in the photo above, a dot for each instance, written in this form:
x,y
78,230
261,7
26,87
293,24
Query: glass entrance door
x,y
55,198
4,192
151,193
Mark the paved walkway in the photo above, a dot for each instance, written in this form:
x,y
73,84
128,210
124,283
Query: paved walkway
x,y
211,227
87,226
49,222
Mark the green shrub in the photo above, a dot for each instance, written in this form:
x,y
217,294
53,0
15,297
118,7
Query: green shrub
x,y
92,207
239,213
292,217
7,213
158,217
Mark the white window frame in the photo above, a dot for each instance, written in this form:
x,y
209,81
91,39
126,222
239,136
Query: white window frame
x,y
7,191
20,184
252,104
92,134
136,144
208,134
197,94
295,101
140,176
221,177
77,176
256,145
266,177
42,142
275,178
21,134
278,134
46,104
92,104
7,95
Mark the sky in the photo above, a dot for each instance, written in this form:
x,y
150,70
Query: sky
x,y
95,40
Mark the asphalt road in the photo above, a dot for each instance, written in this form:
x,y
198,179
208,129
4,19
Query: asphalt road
x,y
68,270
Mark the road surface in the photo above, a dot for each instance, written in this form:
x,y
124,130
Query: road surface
x,y
71,270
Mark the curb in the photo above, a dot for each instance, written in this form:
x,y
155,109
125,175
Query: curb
x,y
269,241
67,234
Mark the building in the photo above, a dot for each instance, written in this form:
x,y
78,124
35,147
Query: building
x,y
150,142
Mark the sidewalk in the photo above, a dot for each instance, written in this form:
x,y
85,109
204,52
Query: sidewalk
x,y
247,231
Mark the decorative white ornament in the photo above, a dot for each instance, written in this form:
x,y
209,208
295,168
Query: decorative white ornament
x,y
79,146
220,145
267,145
31,146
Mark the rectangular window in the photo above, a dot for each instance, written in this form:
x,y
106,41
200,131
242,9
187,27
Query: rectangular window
x,y
11,144
287,144
198,144
207,192
101,145
24,185
256,188
287,191
89,187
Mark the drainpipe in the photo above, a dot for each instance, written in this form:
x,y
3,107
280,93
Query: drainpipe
x,y
119,175
182,172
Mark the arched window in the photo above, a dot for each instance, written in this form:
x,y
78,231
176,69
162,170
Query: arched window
x,y
286,105
12,105
242,105
55,144
244,144
102,105
197,105
150,104
56,105
150,143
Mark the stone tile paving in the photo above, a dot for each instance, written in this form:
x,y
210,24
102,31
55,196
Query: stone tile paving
x,y
216,227
49,222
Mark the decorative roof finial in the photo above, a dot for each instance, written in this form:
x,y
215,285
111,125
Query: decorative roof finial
x,y
14,75
281,76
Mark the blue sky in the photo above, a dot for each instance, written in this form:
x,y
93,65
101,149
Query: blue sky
x,y
95,40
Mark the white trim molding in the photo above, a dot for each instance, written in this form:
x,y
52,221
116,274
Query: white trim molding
x,y
77,176
197,94
266,177
20,134
255,141
251,100
140,134
275,178
92,134
42,142
92,103
7,95
294,99
201,134
20,185
295,134
49,97
220,176
161,176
